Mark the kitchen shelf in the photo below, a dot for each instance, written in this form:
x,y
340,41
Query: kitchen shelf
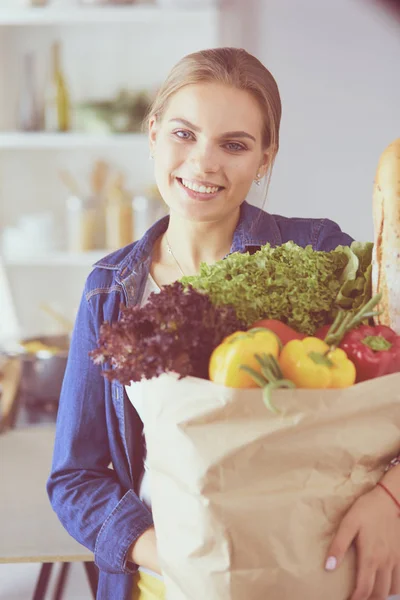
x,y
54,141
69,259
133,14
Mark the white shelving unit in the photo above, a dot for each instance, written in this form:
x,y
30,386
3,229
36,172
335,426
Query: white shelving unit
x,y
57,259
105,49
61,141
135,14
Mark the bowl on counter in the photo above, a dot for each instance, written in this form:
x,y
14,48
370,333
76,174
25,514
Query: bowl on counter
x,y
43,360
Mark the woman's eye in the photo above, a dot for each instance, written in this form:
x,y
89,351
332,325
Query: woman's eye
x,y
235,146
183,134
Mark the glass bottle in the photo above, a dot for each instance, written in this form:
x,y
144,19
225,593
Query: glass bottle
x,y
28,114
57,103
81,224
118,215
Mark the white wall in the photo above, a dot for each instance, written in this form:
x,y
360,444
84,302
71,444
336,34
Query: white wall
x,y
3,44
338,68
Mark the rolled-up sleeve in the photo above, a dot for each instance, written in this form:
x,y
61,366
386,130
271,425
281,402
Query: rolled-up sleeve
x,y
84,491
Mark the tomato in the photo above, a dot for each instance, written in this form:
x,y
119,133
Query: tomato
x,y
283,331
321,333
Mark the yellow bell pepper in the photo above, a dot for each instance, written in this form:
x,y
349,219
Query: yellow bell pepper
x,y
237,350
309,363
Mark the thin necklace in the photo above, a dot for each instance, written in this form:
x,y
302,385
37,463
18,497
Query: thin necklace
x,y
173,255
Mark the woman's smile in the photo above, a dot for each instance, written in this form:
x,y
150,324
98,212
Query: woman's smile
x,y
199,190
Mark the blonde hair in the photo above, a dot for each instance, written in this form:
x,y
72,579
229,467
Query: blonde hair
x,y
234,67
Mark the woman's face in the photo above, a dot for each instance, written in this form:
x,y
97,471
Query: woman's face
x,y
208,150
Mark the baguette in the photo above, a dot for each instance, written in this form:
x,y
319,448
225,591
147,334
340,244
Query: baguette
x,y
386,252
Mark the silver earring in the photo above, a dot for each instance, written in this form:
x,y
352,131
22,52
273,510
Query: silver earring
x,y
151,156
257,180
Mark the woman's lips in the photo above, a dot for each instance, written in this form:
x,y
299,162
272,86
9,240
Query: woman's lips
x,y
198,195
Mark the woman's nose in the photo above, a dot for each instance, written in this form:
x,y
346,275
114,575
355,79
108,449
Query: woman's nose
x,y
205,159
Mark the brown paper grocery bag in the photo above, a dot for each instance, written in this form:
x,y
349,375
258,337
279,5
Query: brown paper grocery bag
x,y
246,501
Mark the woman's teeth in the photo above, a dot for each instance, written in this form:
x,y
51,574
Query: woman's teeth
x,y
199,188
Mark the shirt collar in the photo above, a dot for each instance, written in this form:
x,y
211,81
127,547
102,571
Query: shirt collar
x,y
254,229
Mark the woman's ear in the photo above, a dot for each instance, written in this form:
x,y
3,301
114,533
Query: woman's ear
x,y
265,163
153,128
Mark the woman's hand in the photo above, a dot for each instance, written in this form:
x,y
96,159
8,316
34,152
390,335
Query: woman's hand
x,y
373,524
144,551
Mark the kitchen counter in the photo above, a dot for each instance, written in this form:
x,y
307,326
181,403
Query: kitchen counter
x,y
29,529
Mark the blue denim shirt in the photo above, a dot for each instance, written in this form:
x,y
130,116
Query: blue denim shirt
x,y
98,454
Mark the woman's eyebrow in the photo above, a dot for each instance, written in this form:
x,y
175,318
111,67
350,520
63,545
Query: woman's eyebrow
x,y
238,134
229,134
185,123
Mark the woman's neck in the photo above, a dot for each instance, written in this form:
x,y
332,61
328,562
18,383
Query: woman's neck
x,y
189,243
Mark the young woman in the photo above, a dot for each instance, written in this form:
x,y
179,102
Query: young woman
x,y
214,132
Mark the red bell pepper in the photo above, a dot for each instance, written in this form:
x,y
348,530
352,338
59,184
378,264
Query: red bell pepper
x,y
375,351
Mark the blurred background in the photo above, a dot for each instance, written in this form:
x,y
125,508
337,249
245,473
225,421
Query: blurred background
x,y
76,79
76,182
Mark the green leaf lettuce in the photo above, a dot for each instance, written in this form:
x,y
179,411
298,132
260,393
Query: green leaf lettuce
x,y
298,286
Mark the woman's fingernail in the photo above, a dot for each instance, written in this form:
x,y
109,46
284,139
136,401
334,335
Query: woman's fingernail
x,y
331,564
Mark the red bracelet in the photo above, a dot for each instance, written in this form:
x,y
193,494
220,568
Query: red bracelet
x,y
389,493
